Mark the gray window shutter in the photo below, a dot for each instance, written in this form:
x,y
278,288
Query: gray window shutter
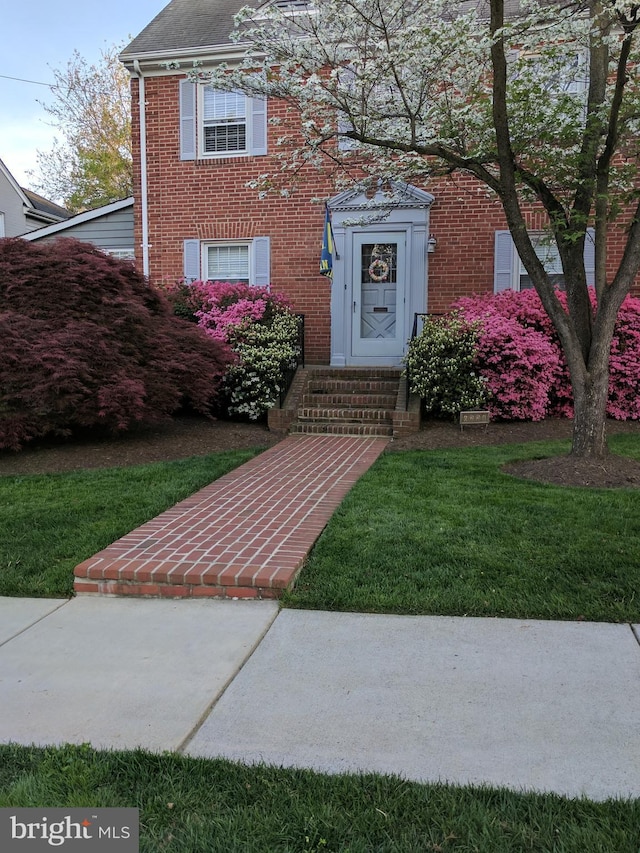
x,y
503,262
590,256
261,261
191,260
187,120
258,125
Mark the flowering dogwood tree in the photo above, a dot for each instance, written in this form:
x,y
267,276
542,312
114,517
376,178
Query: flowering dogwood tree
x,y
538,101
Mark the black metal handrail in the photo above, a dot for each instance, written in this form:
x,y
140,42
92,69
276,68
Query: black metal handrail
x,y
300,340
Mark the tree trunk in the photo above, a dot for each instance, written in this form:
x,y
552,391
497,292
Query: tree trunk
x,y
590,415
590,381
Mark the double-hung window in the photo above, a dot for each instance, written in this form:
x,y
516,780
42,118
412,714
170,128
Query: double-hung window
x,y
547,251
226,262
224,122
215,123
246,261
572,78
347,81
510,273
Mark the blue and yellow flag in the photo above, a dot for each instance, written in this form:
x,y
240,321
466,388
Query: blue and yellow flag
x,y
326,256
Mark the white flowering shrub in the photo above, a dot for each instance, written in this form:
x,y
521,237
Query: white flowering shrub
x,y
440,364
261,330
266,353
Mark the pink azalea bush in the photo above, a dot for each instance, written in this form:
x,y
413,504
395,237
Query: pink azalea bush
x,y
520,357
518,364
516,353
260,328
226,311
624,364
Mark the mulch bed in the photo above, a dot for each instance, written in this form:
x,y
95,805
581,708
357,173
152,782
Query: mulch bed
x,y
178,438
186,436
612,472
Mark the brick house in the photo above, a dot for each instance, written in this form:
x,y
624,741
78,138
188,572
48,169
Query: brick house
x,y
195,215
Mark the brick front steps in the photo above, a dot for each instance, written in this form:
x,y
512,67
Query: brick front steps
x,y
244,536
347,401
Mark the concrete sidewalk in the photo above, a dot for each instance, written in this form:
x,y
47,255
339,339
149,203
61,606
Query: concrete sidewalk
x,y
118,672
551,706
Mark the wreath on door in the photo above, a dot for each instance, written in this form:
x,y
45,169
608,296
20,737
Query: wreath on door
x,y
378,270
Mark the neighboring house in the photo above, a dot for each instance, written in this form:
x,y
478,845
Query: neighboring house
x,y
110,228
196,148
22,210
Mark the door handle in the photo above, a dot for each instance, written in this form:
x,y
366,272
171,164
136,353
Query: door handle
x,y
354,306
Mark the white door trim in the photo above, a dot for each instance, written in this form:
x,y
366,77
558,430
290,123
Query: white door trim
x,y
409,217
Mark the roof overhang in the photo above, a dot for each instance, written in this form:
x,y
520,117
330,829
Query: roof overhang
x,y
155,63
87,216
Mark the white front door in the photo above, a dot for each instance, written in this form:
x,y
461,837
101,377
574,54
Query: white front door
x,y
379,283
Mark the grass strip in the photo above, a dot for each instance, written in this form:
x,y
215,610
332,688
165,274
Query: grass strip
x,y
49,523
189,805
447,532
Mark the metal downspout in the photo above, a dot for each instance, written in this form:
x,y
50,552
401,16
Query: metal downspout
x,y
143,167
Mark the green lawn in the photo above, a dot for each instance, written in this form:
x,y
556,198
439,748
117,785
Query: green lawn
x,y
422,532
50,523
446,532
195,805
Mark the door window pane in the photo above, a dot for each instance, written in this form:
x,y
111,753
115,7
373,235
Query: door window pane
x,y
379,262
379,270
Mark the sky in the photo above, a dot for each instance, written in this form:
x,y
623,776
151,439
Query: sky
x,y
39,35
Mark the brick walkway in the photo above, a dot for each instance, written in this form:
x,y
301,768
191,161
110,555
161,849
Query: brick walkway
x,y
245,535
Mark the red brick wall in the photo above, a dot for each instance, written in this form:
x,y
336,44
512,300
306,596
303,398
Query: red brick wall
x,y
464,218
208,199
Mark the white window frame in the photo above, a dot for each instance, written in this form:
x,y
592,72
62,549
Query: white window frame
x,y
291,7
194,259
2,225
287,8
204,260
248,128
344,123
123,253
191,100
576,82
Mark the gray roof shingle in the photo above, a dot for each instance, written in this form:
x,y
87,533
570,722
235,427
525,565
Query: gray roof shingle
x,y
186,24
43,205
